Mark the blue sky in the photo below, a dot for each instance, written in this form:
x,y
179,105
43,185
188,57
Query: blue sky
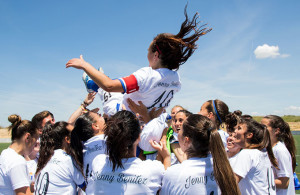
x,y
250,59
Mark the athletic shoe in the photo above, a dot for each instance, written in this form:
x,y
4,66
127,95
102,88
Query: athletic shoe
x,y
86,79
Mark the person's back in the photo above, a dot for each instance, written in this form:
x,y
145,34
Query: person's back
x,y
156,87
92,147
12,168
137,177
255,168
59,176
285,167
192,176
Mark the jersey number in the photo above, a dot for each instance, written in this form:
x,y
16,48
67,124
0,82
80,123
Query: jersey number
x,y
42,184
162,100
106,95
271,182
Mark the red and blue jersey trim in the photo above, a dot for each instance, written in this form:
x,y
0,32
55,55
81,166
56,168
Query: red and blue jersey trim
x,y
129,84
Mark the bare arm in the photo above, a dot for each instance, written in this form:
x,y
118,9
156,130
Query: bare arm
x,y
282,182
98,77
23,191
238,178
180,155
87,101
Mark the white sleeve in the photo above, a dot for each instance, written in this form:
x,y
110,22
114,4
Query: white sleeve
x,y
242,164
19,176
142,76
283,165
153,130
76,175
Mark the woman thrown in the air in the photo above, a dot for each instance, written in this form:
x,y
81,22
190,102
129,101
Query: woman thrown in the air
x,y
154,85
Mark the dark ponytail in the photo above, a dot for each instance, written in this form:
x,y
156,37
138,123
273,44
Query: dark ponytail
x,y
121,131
81,133
205,138
260,139
52,139
285,135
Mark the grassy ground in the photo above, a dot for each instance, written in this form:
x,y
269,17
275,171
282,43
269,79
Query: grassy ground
x,y
3,146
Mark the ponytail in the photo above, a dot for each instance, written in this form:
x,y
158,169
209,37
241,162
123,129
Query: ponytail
x,y
285,135
223,172
260,139
46,148
204,139
81,133
121,131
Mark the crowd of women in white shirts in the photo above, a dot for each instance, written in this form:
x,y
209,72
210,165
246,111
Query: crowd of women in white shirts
x,y
139,149
92,156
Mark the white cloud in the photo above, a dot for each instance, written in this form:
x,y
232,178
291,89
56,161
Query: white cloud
x,y
267,51
291,110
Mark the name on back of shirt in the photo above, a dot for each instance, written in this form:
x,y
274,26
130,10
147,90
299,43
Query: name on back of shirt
x,y
120,178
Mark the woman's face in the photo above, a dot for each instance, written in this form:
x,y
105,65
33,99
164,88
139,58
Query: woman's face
x,y
179,119
31,143
231,145
272,131
182,141
99,120
204,112
241,133
173,113
150,55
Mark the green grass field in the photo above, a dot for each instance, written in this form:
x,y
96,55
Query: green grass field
x,y
296,137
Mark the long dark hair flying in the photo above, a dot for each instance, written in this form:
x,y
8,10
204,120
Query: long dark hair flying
x,y
175,50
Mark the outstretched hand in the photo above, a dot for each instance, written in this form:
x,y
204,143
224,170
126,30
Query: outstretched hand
x,y
78,63
161,147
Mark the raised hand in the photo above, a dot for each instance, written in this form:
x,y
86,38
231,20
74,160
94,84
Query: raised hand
x,y
78,63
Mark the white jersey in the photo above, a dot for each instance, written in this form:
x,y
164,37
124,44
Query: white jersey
x,y
153,131
284,160
111,101
154,87
92,147
59,176
137,177
255,168
31,167
193,176
224,135
13,172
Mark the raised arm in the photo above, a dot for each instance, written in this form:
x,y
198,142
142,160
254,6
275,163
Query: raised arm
x,y
103,81
82,109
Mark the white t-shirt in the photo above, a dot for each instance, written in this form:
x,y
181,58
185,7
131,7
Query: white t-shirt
x,y
59,176
92,147
31,167
192,176
153,130
155,88
13,172
137,177
111,101
224,135
255,168
284,160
